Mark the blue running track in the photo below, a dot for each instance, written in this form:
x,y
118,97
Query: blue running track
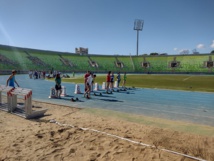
x,y
195,107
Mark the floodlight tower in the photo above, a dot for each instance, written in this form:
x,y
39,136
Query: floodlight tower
x,y
138,25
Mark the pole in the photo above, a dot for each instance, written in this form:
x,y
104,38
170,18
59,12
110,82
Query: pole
x,y
137,40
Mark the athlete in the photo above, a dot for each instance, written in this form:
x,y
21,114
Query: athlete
x,y
108,80
11,80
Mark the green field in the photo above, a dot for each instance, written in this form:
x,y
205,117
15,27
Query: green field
x,y
177,82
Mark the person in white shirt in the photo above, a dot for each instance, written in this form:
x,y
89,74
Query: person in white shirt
x,y
89,85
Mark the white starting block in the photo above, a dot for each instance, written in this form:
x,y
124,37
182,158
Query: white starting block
x,y
77,89
115,84
63,94
104,85
25,111
53,92
96,87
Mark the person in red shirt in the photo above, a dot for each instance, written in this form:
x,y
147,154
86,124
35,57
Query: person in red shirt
x,y
87,74
108,81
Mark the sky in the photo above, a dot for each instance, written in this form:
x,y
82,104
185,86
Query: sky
x,y
106,27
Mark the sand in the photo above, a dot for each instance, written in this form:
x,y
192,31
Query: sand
x,y
43,140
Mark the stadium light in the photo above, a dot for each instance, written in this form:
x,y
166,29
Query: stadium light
x,y
138,25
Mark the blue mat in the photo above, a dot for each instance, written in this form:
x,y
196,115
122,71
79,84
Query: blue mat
x,y
195,107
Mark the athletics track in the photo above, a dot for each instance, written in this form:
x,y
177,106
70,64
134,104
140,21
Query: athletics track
x,y
195,107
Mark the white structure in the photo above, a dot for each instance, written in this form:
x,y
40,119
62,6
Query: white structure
x,y
115,84
77,89
104,85
12,106
63,94
53,92
96,87
81,50
6,90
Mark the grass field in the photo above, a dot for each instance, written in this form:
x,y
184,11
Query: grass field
x,y
203,83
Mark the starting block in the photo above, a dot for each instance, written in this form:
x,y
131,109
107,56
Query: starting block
x,y
53,92
25,111
98,94
63,94
104,85
74,99
77,89
115,84
96,88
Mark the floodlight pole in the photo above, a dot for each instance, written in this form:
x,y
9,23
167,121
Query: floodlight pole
x,y
138,25
137,40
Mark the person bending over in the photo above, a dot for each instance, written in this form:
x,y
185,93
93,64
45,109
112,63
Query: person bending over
x,y
89,85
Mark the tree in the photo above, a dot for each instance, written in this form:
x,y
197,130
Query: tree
x,y
153,53
212,52
163,54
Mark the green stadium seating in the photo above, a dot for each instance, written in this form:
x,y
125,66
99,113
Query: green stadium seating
x,y
22,58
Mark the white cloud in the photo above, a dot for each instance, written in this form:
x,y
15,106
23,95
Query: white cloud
x,y
212,45
175,49
200,46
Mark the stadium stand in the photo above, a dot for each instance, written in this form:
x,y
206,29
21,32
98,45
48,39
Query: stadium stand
x,y
66,62
24,59
80,62
35,60
106,63
92,62
127,63
21,62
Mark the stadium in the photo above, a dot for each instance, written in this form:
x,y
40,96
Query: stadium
x,y
146,118
23,60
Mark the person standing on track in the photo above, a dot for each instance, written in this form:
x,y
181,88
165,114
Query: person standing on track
x,y
58,86
118,79
108,81
112,81
124,80
87,74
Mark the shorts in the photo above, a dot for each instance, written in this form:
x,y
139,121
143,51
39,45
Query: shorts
x,y
58,87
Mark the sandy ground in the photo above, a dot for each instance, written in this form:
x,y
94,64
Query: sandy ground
x,y
40,140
